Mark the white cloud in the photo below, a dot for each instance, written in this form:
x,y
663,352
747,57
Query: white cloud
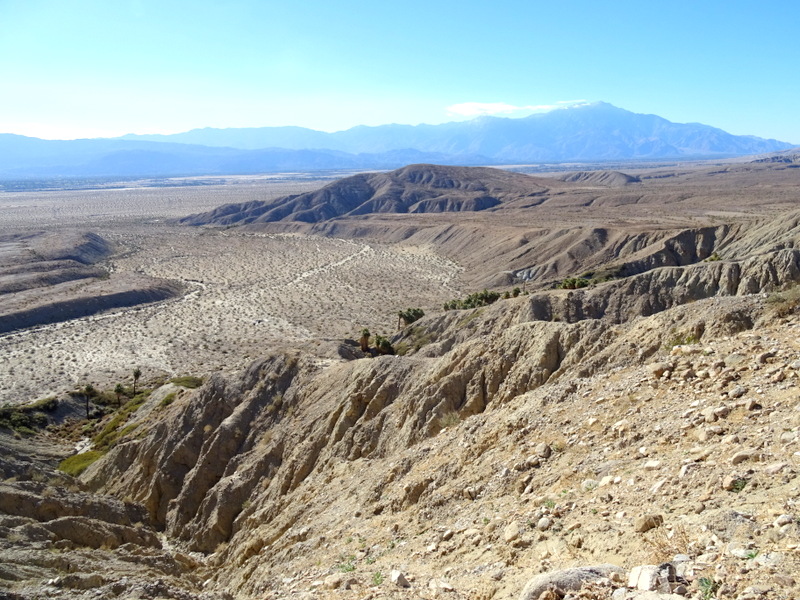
x,y
476,109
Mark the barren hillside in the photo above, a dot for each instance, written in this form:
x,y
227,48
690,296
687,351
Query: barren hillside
x,y
639,428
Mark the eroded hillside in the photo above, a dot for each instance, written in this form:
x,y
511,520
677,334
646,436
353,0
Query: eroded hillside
x,y
643,428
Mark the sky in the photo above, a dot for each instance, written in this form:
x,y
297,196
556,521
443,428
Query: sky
x,y
103,68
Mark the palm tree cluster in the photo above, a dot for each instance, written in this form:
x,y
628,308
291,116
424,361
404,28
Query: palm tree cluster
x,y
474,300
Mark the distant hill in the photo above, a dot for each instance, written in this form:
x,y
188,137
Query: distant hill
x,y
412,189
592,132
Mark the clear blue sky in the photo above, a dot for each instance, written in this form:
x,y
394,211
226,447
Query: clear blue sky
x,y
87,68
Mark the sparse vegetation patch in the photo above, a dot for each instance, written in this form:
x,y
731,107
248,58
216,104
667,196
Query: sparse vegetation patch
x,y
77,464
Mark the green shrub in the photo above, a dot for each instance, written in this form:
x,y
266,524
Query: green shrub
x,y
573,283
77,464
168,399
111,433
681,340
26,418
187,381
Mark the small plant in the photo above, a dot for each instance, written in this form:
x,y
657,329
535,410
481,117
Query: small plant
x,y
550,503
347,565
168,399
751,554
364,340
118,391
739,485
377,578
713,258
708,587
449,419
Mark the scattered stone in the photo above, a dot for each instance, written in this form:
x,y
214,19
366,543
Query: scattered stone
x,y
744,455
652,465
565,580
544,450
333,582
644,578
659,368
440,584
645,523
729,482
543,524
399,579
775,468
751,404
511,532
783,520
737,392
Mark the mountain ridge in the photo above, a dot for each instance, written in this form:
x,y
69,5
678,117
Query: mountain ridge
x,y
596,132
495,138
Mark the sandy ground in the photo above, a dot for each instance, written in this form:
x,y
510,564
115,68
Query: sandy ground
x,y
246,294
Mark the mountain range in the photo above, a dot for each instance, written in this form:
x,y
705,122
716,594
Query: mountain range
x,y
591,132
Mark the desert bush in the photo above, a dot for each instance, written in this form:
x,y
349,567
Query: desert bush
x,y
449,419
785,302
27,418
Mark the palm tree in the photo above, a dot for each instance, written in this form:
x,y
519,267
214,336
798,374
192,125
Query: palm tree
x,y
88,392
364,341
137,372
118,390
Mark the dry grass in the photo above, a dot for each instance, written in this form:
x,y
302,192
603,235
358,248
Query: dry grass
x,y
665,543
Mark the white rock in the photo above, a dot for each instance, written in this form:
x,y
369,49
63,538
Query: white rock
x,y
783,520
398,579
644,578
511,532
